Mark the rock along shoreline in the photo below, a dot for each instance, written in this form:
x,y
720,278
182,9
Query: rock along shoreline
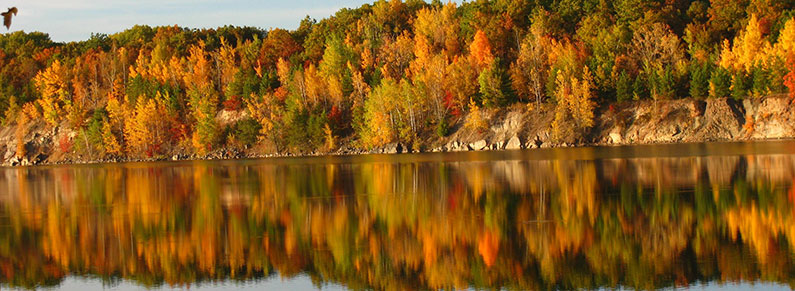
x,y
516,127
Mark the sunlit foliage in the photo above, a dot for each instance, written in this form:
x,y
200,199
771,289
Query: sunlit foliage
x,y
396,71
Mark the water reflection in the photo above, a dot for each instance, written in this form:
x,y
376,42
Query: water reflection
x,y
586,219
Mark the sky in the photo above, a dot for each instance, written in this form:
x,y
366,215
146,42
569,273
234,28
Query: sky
x,y
75,20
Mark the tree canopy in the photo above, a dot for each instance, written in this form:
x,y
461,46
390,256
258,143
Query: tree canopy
x,y
391,71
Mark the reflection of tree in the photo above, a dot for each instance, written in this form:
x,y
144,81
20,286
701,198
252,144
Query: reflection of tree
x,y
645,223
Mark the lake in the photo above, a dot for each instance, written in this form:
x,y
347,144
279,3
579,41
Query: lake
x,y
708,216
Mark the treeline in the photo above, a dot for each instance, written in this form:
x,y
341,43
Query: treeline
x,y
388,72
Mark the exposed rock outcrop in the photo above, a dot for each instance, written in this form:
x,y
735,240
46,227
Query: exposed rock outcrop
x,y
515,127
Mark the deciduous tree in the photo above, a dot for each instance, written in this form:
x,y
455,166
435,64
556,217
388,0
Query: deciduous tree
x,y
750,48
529,72
574,105
480,51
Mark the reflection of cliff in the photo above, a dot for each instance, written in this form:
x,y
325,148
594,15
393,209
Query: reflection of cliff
x,y
643,222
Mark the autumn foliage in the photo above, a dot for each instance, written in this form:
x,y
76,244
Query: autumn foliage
x,y
789,79
391,71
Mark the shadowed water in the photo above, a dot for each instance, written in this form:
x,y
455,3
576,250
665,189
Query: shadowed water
x,y
638,217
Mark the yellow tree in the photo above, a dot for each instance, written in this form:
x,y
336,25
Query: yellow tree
x,y
226,65
785,45
316,87
167,72
422,55
52,83
335,93
265,111
142,65
749,48
117,112
200,73
574,108
283,71
20,133
109,140
475,119
144,131
439,26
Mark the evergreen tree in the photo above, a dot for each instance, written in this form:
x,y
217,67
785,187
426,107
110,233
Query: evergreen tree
x,y
624,87
699,80
740,85
493,83
720,83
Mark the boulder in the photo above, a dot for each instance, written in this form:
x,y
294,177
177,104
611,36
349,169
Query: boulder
x,y
451,146
513,143
457,146
478,145
615,138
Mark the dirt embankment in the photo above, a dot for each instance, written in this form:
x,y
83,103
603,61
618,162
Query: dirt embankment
x,y
515,127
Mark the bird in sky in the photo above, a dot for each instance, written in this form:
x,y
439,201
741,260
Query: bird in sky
x,y
7,16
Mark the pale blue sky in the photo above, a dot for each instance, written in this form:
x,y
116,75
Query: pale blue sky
x,y
69,20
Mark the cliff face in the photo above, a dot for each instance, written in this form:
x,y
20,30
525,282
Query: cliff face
x,y
672,121
516,127
698,121
639,122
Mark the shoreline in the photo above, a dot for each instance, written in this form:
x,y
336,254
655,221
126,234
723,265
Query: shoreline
x,y
344,155
366,153
681,121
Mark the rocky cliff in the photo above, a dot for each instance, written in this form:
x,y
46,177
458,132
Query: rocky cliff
x,y
516,127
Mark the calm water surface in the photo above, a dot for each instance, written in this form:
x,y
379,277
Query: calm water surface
x,y
705,216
